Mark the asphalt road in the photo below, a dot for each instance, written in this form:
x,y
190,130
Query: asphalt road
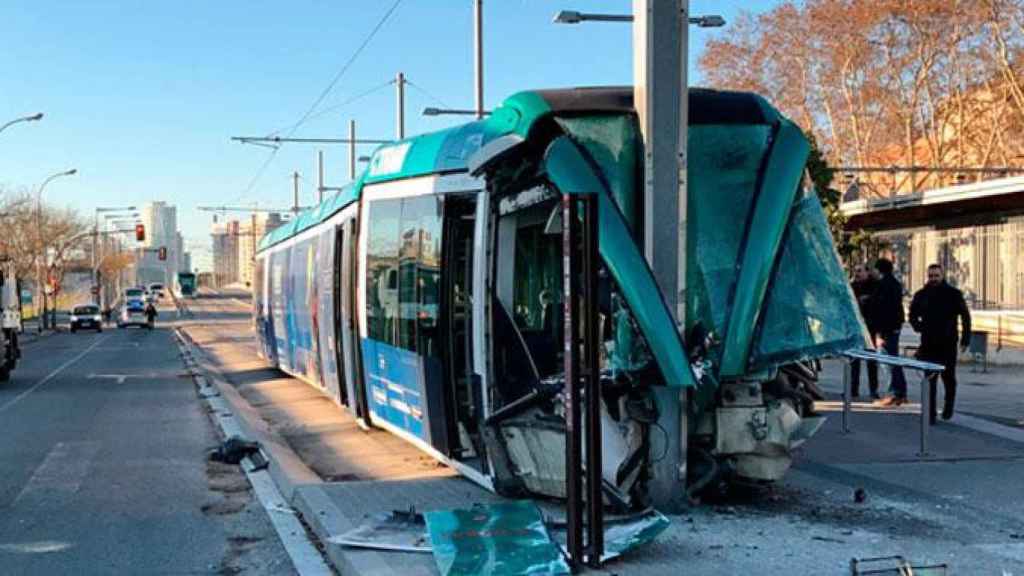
x,y
103,466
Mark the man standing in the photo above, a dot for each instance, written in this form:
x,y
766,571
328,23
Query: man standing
x,y
863,288
933,313
887,316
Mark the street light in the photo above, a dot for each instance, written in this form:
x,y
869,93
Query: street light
x,y
574,17
431,111
96,246
40,280
31,118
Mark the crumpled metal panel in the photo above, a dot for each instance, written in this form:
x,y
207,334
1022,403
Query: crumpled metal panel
x,y
779,183
504,538
573,174
810,310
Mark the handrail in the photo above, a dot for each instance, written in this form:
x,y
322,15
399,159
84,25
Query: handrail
x,y
927,369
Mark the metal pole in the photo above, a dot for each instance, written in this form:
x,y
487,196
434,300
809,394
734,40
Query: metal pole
x,y
295,192
659,57
352,150
925,413
592,382
319,181
847,391
400,106
478,52
573,432
95,261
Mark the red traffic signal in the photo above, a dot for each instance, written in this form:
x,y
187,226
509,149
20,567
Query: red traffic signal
x,y
162,253
140,232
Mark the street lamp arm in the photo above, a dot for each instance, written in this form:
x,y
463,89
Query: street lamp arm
x,y
31,118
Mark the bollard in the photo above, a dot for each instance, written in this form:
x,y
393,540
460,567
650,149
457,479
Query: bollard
x,y
925,413
847,384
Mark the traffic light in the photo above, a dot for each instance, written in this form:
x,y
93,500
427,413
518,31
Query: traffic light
x,y
140,232
162,253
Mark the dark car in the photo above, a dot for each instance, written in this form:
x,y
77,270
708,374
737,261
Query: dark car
x,y
86,317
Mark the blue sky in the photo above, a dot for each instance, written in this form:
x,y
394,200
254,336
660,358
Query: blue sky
x,y
142,97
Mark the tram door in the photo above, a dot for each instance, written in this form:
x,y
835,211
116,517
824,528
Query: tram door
x,y
464,395
345,260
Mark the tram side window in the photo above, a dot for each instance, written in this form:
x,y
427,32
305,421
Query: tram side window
x,y
403,271
382,271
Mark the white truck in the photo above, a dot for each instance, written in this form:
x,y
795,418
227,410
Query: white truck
x,y
10,301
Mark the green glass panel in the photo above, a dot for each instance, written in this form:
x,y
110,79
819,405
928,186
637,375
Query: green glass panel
x,y
502,538
613,142
724,163
809,310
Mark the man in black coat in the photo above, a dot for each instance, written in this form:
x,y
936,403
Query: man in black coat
x,y
934,313
887,317
863,288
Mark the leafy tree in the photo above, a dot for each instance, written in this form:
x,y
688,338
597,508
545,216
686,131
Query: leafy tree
x,y
853,246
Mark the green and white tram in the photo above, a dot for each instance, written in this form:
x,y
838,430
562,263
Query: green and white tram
x,y
427,296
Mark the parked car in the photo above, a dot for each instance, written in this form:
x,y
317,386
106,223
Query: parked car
x,y
87,316
133,313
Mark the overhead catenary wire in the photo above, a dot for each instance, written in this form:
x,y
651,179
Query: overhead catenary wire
x,y
323,94
426,93
341,72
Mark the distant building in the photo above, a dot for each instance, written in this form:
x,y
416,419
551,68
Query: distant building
x,y
234,246
974,231
225,253
250,232
161,223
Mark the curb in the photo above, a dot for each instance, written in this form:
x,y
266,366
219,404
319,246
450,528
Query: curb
x,y
301,487
233,415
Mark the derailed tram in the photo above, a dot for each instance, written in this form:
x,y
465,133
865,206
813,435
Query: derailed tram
x,y
427,296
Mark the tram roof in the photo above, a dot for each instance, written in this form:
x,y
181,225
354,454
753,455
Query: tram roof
x,y
449,150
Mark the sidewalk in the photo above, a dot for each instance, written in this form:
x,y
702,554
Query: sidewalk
x,y
961,505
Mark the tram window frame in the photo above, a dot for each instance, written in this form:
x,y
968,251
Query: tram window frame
x,y
410,325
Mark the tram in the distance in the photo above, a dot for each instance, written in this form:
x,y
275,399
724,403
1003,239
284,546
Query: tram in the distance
x,y
427,297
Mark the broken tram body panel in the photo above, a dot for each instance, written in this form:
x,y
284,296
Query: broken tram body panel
x,y
428,296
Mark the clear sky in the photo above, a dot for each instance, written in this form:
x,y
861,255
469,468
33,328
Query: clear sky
x,y
142,97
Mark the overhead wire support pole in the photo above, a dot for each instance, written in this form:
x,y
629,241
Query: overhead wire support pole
x,y
319,176
295,191
400,106
478,53
352,150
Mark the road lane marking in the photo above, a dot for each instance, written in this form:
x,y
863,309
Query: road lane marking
x,y
60,474
53,374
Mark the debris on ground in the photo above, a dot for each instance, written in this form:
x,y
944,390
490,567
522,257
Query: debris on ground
x,y
502,538
860,496
398,531
896,565
234,449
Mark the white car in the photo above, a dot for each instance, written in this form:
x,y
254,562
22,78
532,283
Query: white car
x,y
156,290
133,313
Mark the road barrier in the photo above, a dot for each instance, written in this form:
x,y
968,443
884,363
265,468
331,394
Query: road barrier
x,y
928,369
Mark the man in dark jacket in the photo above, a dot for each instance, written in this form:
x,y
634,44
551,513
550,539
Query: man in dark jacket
x,y
934,313
887,317
863,288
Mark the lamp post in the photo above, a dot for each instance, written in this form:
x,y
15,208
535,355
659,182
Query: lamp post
x,y
32,118
109,211
40,279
